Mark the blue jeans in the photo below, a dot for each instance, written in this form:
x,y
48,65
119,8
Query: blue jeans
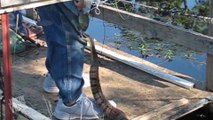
x,y
65,54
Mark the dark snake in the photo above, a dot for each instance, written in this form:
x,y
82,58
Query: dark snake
x,y
110,111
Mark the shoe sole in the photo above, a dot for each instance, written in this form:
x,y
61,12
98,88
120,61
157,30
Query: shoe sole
x,y
51,90
54,118
67,116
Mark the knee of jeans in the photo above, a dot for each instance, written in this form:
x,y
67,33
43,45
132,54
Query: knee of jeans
x,y
70,88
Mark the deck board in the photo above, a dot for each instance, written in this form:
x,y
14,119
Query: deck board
x,y
134,91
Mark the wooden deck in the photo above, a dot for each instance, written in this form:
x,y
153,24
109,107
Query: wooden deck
x,y
135,92
139,94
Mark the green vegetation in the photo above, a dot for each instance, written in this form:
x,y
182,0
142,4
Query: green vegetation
x,y
180,14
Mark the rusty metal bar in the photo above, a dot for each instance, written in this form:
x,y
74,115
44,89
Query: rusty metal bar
x,y
7,66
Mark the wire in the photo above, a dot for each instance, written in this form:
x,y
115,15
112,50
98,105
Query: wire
x,y
96,7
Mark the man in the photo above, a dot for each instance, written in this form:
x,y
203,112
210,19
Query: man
x,y
65,59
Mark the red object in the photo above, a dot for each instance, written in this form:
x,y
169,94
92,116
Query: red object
x,y
7,67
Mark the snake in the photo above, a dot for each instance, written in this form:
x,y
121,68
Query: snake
x,y
110,111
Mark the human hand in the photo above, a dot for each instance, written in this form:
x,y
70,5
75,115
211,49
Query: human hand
x,y
86,5
80,4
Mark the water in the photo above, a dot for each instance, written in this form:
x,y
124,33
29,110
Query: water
x,y
109,34
191,3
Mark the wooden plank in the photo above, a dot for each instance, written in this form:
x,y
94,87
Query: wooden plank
x,y
9,3
173,115
143,61
209,73
27,111
144,67
209,62
153,28
159,111
210,98
30,5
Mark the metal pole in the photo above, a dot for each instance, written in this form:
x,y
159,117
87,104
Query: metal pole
x,y
6,66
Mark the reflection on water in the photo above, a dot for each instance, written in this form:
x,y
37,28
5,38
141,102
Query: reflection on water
x,y
191,3
111,35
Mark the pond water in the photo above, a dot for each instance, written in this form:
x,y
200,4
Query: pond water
x,y
191,3
183,60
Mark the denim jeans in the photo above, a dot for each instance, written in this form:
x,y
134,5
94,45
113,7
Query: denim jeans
x,y
65,54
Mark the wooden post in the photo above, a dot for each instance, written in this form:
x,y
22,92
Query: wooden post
x,y
209,62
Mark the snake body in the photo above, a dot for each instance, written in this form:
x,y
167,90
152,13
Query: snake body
x,y
110,111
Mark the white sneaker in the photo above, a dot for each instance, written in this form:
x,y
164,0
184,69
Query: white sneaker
x,y
84,108
49,85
